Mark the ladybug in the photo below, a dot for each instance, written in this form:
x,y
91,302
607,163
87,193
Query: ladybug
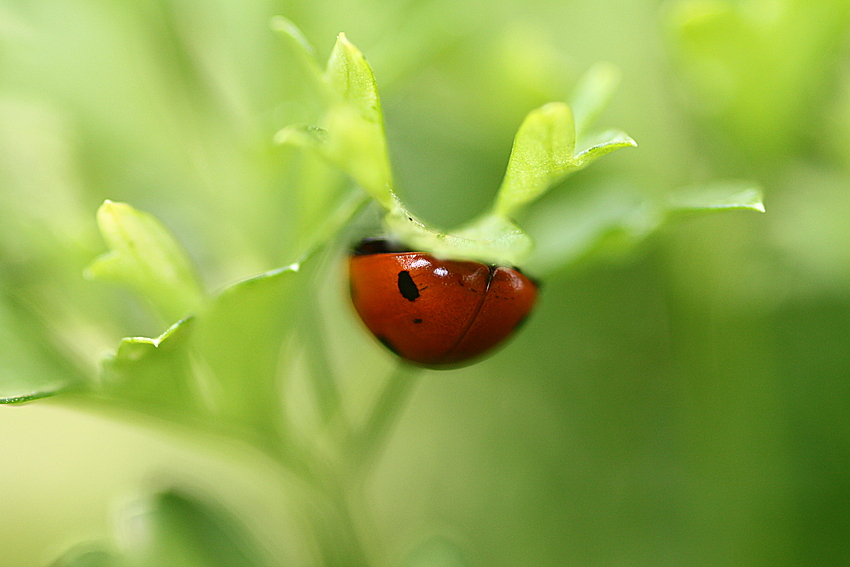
x,y
432,312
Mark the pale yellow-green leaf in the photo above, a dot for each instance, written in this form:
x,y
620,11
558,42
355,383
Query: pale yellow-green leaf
x,y
145,256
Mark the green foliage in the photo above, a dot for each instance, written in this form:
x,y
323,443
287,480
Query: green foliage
x,y
679,410
145,256
759,67
542,153
352,138
436,553
716,197
88,557
352,134
174,528
31,370
605,222
218,369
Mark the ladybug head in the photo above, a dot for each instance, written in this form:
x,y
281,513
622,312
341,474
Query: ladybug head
x,y
378,245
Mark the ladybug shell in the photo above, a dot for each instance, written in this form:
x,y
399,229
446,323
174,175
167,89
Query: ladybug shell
x,y
438,312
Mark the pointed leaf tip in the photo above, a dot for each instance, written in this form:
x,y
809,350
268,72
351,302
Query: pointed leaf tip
x,y
351,77
603,144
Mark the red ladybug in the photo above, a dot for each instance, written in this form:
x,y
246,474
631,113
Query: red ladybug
x,y
436,313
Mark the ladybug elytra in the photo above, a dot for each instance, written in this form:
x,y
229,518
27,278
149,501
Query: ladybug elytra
x,y
436,313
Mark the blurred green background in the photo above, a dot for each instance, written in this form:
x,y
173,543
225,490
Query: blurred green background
x,y
685,404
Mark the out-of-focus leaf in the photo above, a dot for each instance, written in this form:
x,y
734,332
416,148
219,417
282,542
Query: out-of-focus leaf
x,y
717,197
572,227
155,374
592,94
304,49
609,221
145,256
30,367
238,342
219,367
436,552
761,70
50,318
89,556
175,529
180,530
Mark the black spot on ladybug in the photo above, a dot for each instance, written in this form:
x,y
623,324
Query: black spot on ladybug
x,y
417,321
406,286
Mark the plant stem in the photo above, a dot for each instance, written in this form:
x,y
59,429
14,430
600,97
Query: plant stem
x,y
324,386
338,536
371,438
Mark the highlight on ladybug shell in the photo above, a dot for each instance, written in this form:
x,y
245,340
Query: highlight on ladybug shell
x,y
432,312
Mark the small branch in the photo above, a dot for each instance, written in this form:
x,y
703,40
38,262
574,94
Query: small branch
x,y
369,441
321,373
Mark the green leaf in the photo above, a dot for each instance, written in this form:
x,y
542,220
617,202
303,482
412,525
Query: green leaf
x,y
180,530
358,147
304,49
238,342
357,143
145,256
351,136
600,145
90,556
350,76
720,196
590,221
30,365
592,94
542,154
608,221
306,136
436,552
220,368
491,239
155,374
176,529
